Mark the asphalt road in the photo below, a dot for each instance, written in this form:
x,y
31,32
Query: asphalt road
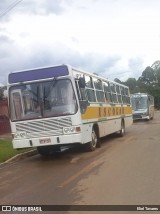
x,y
124,171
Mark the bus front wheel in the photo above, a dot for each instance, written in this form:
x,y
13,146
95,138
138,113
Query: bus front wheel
x,y
91,146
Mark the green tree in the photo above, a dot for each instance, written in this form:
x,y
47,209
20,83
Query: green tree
x,y
117,80
2,89
132,84
148,76
156,67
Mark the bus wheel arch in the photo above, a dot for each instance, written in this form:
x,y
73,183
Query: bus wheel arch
x,y
122,130
95,142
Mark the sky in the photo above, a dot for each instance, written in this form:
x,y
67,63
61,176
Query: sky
x,y
113,38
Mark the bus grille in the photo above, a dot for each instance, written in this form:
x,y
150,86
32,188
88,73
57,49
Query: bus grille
x,y
44,127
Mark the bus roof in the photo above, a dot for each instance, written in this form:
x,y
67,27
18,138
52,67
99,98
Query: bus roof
x,y
49,72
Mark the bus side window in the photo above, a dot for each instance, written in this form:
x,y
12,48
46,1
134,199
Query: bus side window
x,y
80,91
113,91
107,91
90,92
124,97
99,90
119,94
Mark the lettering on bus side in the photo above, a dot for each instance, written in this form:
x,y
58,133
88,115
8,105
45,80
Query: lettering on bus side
x,y
104,112
113,111
122,110
99,112
109,111
117,111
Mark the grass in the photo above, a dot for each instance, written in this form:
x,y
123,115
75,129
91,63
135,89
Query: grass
x,y
7,151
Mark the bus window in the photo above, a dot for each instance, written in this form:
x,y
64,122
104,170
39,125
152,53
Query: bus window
x,y
114,97
28,102
99,90
100,96
113,90
61,98
88,80
112,86
89,89
117,89
97,84
91,95
119,97
17,104
107,92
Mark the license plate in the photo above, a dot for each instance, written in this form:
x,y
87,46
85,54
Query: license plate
x,y
45,141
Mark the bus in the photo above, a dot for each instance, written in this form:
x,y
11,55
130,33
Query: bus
x,y
55,107
142,106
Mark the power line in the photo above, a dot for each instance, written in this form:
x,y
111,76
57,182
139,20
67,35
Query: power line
x,y
9,8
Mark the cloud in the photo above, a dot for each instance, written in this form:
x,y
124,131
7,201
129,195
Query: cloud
x,y
136,66
55,54
96,36
4,9
125,68
15,58
5,44
5,4
41,7
4,39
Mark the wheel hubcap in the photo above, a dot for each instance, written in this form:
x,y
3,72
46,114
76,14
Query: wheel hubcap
x,y
94,139
122,129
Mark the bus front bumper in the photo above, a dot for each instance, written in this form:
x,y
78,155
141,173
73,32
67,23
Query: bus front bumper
x,y
140,116
61,140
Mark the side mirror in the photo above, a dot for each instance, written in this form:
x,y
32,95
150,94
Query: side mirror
x,y
82,82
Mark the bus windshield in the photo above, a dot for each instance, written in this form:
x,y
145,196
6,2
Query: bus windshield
x,y
139,103
42,99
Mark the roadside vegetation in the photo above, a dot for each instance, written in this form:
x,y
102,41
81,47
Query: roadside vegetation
x,y
148,82
7,151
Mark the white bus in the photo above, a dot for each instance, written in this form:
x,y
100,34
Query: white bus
x,y
142,106
61,106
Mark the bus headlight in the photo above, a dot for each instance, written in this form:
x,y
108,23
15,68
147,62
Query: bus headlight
x,y
70,130
19,135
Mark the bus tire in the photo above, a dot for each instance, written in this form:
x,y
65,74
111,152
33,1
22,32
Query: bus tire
x,y
44,150
91,146
122,131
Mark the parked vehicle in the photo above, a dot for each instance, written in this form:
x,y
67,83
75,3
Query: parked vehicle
x,y
143,106
58,106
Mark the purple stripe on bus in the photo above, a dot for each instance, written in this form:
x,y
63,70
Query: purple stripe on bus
x,y
37,74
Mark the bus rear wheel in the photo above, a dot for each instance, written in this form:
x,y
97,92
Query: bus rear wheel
x,y
91,146
122,131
